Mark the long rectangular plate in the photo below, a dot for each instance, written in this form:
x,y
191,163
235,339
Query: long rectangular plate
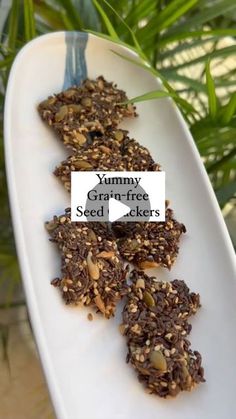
x,y
84,362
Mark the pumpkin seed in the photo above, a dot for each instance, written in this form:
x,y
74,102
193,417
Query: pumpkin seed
x,y
133,244
74,107
69,93
60,115
92,236
185,372
148,299
51,225
80,138
82,164
158,360
119,136
87,102
143,371
89,85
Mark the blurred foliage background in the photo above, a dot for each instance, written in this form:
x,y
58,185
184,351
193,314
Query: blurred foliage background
x,y
189,44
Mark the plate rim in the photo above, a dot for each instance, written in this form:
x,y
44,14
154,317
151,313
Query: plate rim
x,y
21,247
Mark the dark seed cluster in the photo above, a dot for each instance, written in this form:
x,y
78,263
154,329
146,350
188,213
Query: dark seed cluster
x,y
107,153
155,324
156,314
149,245
92,272
82,112
101,155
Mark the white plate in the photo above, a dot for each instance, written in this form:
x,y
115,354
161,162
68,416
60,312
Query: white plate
x,y
84,362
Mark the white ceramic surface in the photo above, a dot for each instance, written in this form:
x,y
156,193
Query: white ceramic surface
x,y
84,361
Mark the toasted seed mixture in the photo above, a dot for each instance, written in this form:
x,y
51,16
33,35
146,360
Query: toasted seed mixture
x,y
107,153
155,323
80,112
137,158
155,316
101,155
149,245
92,272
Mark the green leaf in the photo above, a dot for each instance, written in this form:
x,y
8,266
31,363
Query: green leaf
x,y
135,41
207,14
143,9
221,52
221,162
71,16
213,137
183,47
195,85
146,66
229,110
186,106
170,14
159,94
109,38
107,22
5,25
212,100
6,62
173,12
29,23
67,23
226,192
13,24
155,94
138,62
49,15
217,33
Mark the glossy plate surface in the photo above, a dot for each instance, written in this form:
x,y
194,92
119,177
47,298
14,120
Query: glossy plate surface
x,y
84,361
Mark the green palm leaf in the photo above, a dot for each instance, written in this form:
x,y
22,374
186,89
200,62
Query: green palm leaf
x,y
29,22
212,100
209,11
